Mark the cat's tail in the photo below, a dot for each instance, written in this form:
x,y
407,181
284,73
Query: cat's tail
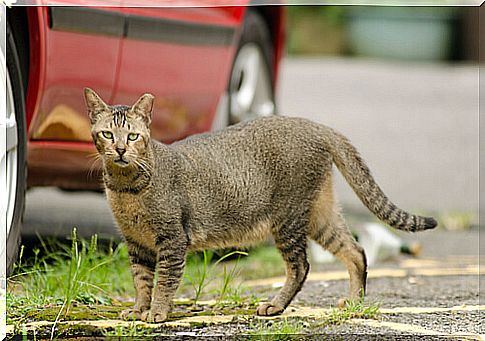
x,y
357,174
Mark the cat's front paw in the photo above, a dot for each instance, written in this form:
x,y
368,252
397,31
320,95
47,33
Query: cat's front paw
x,y
131,314
154,316
269,309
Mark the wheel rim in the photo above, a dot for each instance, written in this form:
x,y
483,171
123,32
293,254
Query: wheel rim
x,y
8,154
250,86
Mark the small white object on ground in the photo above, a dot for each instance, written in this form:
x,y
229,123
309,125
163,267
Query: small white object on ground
x,y
186,334
378,242
277,285
319,254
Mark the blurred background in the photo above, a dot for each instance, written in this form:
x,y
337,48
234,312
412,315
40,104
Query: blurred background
x,y
396,33
401,82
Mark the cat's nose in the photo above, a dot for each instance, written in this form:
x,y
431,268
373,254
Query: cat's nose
x,y
120,150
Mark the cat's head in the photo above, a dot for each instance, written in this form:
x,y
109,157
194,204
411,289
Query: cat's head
x,y
121,133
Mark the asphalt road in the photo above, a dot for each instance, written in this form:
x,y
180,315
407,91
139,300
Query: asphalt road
x,y
416,125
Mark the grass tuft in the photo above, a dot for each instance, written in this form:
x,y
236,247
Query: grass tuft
x,y
199,273
284,329
61,277
131,332
354,309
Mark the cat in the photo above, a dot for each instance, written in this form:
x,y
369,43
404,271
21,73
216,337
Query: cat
x,y
236,187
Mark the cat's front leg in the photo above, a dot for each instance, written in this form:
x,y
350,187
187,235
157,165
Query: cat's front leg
x,y
172,249
143,262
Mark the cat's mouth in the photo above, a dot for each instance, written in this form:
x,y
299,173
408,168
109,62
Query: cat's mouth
x,y
121,162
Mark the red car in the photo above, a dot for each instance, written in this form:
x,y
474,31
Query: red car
x,y
207,67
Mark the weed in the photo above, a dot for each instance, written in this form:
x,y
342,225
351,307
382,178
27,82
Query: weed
x,y
227,279
79,265
254,300
234,296
353,309
130,332
200,276
65,276
276,330
80,280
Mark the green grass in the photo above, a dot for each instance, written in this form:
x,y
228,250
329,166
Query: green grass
x,y
131,332
353,309
285,329
201,272
85,281
288,328
60,277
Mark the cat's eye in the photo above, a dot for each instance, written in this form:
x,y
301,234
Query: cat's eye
x,y
133,136
107,135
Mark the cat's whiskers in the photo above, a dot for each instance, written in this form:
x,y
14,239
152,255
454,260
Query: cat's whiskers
x,y
142,166
95,159
93,155
110,154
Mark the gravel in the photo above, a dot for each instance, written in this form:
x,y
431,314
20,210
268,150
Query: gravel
x,y
443,291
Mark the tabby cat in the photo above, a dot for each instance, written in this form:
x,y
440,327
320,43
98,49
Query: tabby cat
x,y
267,177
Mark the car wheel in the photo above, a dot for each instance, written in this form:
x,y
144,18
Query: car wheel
x,y
250,87
13,150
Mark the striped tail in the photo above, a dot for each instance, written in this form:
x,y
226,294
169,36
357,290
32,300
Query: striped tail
x,y
357,174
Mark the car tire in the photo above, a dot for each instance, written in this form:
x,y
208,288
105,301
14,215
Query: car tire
x,y
14,164
250,89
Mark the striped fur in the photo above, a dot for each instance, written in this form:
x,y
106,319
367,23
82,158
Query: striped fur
x,y
358,175
267,177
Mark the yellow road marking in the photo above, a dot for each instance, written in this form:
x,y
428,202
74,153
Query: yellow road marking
x,y
429,310
102,324
437,262
320,312
375,273
289,312
466,270
411,328
401,327
188,321
328,276
189,301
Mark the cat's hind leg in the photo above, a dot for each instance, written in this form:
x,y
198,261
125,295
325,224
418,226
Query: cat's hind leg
x,y
328,228
291,243
335,237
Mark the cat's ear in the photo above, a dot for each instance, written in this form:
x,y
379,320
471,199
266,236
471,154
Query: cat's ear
x,y
144,107
94,104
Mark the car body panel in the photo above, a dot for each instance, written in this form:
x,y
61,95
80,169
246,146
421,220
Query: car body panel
x,y
73,59
183,57
187,69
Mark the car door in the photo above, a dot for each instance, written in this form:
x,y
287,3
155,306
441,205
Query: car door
x,y
183,56
80,49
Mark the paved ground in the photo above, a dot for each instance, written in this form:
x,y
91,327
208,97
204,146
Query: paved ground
x,y
417,122
413,123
